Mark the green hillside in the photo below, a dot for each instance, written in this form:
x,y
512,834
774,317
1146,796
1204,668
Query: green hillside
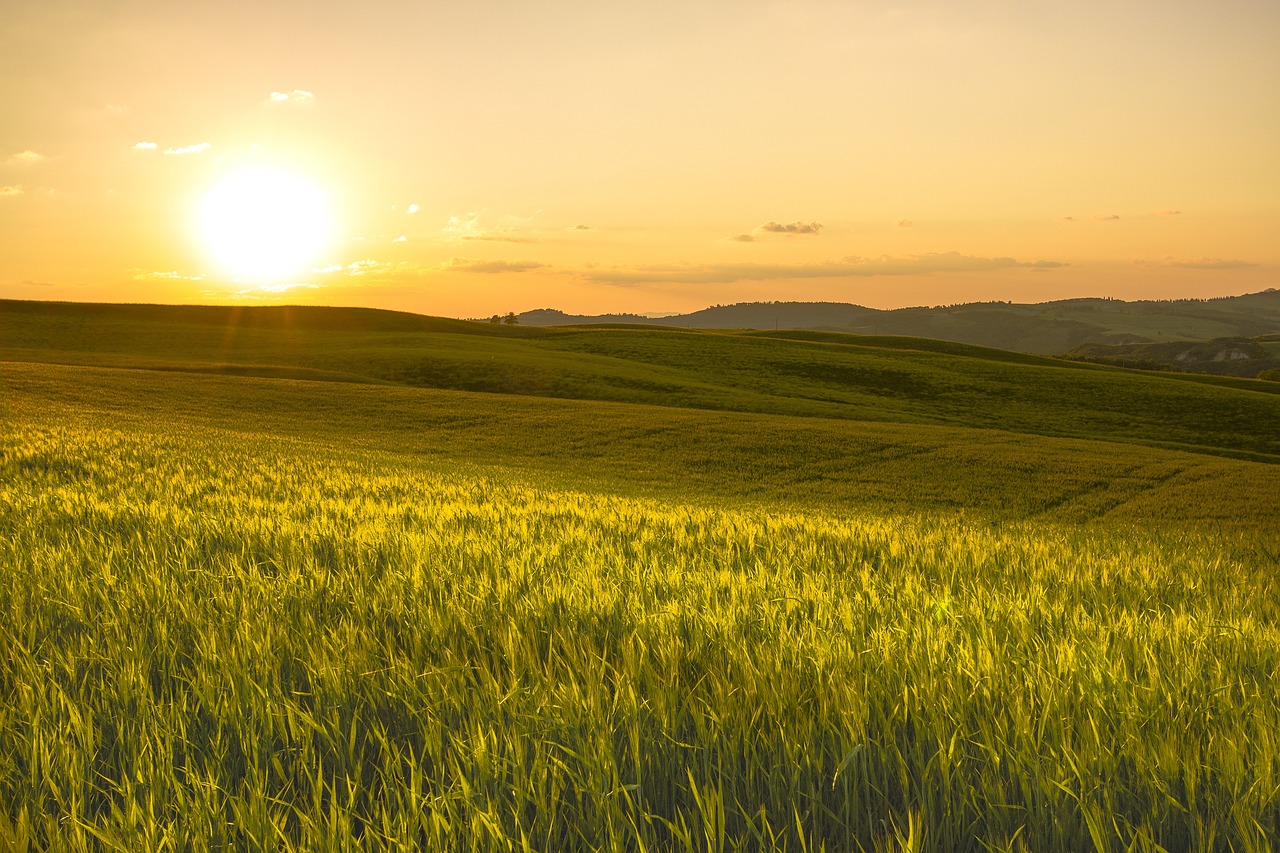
x,y
679,454
345,580
1220,357
798,374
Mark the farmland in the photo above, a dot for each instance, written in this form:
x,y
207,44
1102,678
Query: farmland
x,y
248,610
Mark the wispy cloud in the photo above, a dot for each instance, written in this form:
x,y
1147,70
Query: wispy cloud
x,y
501,237
412,209
1167,212
190,149
1215,264
771,227
401,239
24,158
16,189
367,266
1199,264
293,96
163,275
476,226
582,228
1107,218
463,225
944,262
145,146
791,228
905,223
477,266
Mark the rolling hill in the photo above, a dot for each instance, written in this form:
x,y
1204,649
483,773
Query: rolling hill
x,y
1045,328
804,374
1220,356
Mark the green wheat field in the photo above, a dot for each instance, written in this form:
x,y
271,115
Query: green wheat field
x,y
360,581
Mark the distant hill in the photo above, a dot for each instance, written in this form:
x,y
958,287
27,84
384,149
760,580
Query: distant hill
x,y
828,316
1045,328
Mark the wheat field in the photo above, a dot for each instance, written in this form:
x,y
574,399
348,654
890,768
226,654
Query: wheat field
x,y
227,640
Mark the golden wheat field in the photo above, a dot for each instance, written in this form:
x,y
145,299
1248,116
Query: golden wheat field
x,y
227,640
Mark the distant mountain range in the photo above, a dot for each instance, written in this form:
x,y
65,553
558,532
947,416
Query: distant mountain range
x,y
1048,328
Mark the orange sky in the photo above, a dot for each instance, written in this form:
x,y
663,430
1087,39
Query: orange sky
x,y
661,156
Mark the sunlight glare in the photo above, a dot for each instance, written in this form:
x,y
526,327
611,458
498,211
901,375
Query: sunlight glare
x,y
264,223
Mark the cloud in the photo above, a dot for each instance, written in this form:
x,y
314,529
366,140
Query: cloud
x,y
1214,264
163,275
26,282
1167,212
793,228
499,237
772,227
469,226
476,225
412,209
367,266
582,228
145,146
370,269
25,158
16,189
905,223
190,149
469,265
508,228
1068,219
401,239
1110,218
460,226
293,96
1200,264
944,262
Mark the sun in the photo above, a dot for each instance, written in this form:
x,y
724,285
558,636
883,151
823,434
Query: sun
x,y
264,224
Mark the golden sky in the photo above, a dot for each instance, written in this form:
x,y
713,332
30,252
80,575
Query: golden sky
x,y
465,159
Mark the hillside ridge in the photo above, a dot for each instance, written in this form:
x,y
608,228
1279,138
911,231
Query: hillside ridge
x,y
1045,328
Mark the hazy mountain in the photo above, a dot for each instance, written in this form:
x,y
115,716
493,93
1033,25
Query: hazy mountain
x,y
1046,327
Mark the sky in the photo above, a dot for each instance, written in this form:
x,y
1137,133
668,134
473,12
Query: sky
x,y
465,159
